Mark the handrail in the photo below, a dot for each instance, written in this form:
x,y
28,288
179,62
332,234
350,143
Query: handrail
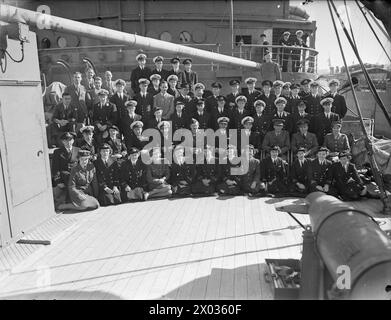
x,y
303,60
275,46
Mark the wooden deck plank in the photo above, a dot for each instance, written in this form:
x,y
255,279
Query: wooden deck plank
x,y
165,249
183,242
190,269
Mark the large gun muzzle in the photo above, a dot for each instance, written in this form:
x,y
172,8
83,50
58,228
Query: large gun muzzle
x,y
348,239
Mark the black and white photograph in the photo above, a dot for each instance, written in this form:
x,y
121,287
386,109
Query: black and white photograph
x,y
195,155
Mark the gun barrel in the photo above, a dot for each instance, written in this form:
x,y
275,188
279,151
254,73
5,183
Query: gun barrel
x,y
349,237
44,21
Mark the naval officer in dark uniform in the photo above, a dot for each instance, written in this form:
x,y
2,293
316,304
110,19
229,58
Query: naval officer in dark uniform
x,y
107,173
299,173
346,179
339,104
133,177
274,173
320,173
322,122
141,71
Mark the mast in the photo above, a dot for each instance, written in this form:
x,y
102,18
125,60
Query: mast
x,y
43,21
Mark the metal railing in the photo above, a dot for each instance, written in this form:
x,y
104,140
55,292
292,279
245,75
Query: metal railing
x,y
290,58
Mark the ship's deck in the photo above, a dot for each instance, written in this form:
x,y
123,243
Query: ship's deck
x,y
193,248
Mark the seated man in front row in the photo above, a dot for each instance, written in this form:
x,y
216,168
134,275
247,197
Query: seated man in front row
x,y
320,173
64,159
107,172
182,173
229,179
299,173
346,180
274,173
133,177
206,174
250,181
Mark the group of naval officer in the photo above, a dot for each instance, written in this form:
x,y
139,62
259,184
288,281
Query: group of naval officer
x,y
98,127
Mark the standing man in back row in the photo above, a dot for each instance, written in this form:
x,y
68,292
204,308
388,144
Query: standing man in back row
x,y
270,70
141,71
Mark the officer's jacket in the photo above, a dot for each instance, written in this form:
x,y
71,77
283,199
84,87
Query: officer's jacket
x,y
207,171
144,105
190,78
157,171
253,138
133,176
120,104
104,114
310,142
270,107
300,173
339,104
336,144
236,118
180,122
116,145
184,171
153,91
163,73
320,174
277,170
322,125
225,171
204,120
186,100
340,176
281,140
296,117
304,94
137,74
253,173
313,104
230,100
287,117
126,121
91,147
262,123
210,103
291,105
107,174
62,163
216,114
251,98
139,142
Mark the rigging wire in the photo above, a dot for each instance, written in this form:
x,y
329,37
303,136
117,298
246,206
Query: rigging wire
x,y
369,146
350,24
365,72
370,25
